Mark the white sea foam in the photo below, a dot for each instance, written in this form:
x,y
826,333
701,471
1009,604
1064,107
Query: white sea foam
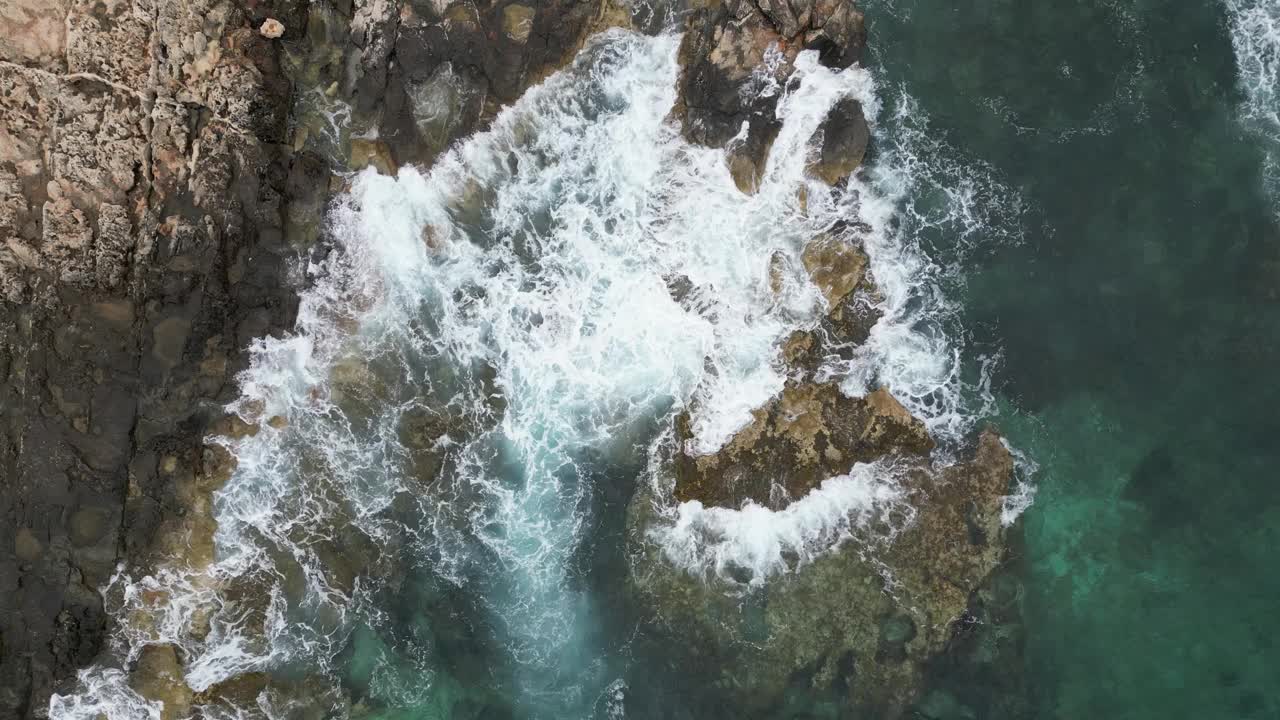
x,y
520,291
750,544
915,349
1024,489
105,693
1255,37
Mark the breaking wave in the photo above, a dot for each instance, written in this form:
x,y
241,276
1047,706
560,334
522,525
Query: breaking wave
x,y
486,340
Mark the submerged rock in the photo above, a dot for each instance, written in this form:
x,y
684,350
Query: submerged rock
x,y
853,628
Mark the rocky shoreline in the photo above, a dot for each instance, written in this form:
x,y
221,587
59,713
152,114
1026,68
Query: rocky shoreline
x,y
164,169
164,172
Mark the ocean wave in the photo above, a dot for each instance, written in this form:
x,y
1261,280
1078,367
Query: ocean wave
x,y
483,336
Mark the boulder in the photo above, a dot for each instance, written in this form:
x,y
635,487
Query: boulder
x,y
158,676
837,267
845,135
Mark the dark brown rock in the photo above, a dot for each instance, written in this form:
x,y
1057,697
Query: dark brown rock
x,y
731,52
455,69
845,136
117,304
807,434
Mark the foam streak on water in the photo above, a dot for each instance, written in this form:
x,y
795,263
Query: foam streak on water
x,y
1255,37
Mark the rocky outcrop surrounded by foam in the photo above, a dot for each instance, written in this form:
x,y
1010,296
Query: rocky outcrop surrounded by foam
x,y
735,58
760,613
828,547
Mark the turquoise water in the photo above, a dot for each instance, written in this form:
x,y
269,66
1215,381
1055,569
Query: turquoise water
x,y
1140,330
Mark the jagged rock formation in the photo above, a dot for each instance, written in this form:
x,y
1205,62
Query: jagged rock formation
x,y
733,50
141,248
808,433
163,163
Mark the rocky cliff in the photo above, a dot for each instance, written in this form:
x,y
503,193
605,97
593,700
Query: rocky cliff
x,y
164,168
143,187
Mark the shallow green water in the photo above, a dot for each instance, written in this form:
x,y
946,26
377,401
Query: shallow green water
x,y
1141,331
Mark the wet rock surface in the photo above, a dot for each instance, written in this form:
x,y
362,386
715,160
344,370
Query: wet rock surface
x,y
735,57
809,433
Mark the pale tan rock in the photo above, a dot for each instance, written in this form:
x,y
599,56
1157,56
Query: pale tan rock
x,y
35,33
159,677
271,29
110,39
365,153
835,266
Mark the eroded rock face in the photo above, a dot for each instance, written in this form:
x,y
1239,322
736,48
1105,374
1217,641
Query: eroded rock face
x,y
163,164
141,195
